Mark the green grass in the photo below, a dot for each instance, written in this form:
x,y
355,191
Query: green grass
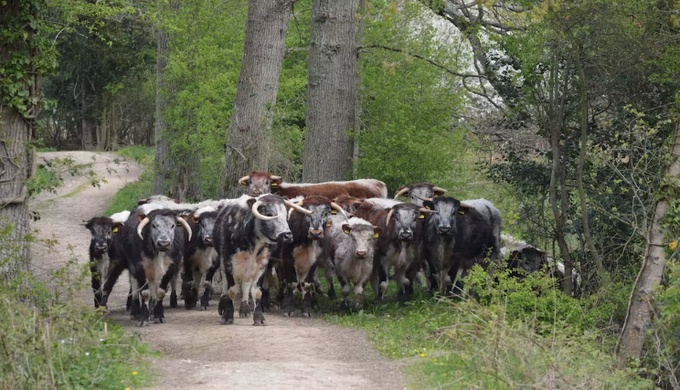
x,y
141,154
50,339
461,344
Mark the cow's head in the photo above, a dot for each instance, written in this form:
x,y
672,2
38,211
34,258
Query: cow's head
x,y
528,258
362,238
102,230
271,217
260,183
205,219
318,219
159,227
420,192
404,217
447,210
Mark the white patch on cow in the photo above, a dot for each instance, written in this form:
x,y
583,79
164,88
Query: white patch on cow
x,y
102,267
120,217
145,209
248,267
381,203
206,209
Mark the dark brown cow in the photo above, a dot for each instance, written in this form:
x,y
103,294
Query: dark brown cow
x,y
264,182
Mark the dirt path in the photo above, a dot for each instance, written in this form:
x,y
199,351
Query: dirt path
x,y
198,352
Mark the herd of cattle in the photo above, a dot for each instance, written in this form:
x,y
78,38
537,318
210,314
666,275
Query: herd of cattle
x,y
285,232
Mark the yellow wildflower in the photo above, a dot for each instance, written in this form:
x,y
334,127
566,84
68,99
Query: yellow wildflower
x,y
423,355
673,245
134,373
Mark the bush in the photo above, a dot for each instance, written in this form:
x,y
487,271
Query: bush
x,y
49,339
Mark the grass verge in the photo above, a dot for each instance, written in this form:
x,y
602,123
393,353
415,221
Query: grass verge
x,y
50,339
462,344
126,198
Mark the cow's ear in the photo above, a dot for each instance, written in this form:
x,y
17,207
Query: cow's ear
x,y
346,228
88,224
329,224
142,201
117,227
250,202
140,217
428,204
194,219
276,183
463,210
377,231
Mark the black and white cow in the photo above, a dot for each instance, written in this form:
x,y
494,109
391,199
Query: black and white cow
x,y
458,236
107,253
156,241
300,258
199,257
353,256
399,245
244,231
420,192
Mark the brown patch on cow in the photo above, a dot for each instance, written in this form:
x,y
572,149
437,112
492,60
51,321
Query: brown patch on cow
x,y
241,259
149,268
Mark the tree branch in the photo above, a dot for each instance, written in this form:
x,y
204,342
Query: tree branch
x,y
438,65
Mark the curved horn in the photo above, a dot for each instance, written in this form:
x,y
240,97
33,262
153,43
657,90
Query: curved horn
x,y
389,216
435,188
297,207
426,211
290,212
340,209
430,199
186,226
275,177
141,225
257,213
466,205
402,192
244,178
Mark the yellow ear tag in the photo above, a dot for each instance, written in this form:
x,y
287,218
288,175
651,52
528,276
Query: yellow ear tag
x,y
244,182
421,216
376,235
334,211
435,195
346,231
428,207
461,212
115,230
275,184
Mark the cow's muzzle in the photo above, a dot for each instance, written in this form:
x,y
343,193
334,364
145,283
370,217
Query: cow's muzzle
x,y
405,235
361,254
163,245
207,241
315,234
443,230
101,247
285,237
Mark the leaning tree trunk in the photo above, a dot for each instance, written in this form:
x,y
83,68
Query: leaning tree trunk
x,y
163,158
87,124
332,90
640,312
258,82
17,159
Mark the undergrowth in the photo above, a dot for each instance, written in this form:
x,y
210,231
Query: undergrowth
x,y
50,339
126,198
514,335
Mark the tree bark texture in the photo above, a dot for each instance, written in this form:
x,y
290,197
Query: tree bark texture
x,y
332,90
250,122
17,161
640,311
88,125
163,158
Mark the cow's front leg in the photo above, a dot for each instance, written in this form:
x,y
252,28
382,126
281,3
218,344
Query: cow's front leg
x,y
307,297
245,309
358,296
344,305
158,313
144,314
258,314
226,306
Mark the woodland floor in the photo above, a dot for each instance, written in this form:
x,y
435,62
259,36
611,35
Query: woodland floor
x,y
196,351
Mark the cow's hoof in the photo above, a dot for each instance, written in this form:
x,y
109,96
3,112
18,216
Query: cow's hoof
x,y
258,319
205,302
227,321
244,310
287,314
161,320
173,300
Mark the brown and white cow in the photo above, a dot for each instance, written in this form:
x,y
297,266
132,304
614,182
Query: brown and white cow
x,y
264,182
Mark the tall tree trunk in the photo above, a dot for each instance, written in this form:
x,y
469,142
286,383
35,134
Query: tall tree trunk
x,y
579,174
87,124
17,161
332,91
640,312
163,158
258,82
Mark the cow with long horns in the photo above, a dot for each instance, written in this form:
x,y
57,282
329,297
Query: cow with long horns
x,y
399,245
244,231
199,256
155,239
310,243
457,236
259,183
420,192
